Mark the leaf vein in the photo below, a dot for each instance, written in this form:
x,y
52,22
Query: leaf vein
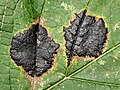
x,y
80,69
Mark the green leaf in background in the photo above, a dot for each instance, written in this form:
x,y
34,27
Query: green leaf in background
x,y
102,73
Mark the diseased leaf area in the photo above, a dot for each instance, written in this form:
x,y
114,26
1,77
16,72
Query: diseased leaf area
x,y
101,73
85,37
14,16
33,50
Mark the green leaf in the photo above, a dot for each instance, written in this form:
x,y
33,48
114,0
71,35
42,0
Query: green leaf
x,y
102,73
14,16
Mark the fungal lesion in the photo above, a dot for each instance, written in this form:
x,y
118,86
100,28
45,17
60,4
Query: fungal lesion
x,y
33,49
85,37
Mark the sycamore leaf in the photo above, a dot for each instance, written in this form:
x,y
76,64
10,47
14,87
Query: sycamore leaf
x,y
102,73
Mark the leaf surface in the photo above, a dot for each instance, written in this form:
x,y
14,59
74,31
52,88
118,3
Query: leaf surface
x,y
102,73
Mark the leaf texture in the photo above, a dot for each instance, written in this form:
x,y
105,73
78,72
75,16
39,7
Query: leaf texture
x,y
102,73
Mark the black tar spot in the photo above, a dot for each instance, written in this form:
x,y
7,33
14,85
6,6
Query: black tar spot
x,y
33,49
85,36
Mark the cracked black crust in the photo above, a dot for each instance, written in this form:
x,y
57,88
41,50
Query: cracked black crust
x,y
33,49
85,37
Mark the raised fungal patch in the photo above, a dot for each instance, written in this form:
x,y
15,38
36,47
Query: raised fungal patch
x,y
33,49
85,37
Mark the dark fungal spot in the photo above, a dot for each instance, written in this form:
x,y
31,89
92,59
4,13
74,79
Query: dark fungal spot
x,y
33,49
85,37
